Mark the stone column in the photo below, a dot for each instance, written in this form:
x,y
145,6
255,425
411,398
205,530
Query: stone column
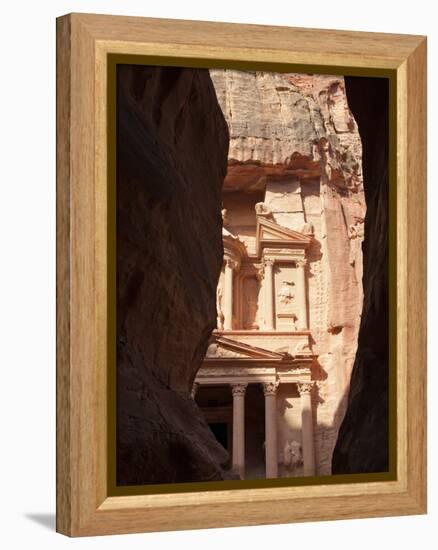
x,y
303,323
238,391
305,389
228,299
268,265
271,459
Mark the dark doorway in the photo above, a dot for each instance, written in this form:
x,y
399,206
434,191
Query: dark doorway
x,y
220,431
254,432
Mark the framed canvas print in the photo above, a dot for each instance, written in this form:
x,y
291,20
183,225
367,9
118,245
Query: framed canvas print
x,y
241,274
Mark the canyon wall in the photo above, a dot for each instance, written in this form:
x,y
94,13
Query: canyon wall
x,y
172,144
362,445
294,141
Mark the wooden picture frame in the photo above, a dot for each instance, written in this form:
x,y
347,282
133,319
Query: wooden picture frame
x,y
84,44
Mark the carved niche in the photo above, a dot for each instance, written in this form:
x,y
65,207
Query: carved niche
x,y
286,292
250,302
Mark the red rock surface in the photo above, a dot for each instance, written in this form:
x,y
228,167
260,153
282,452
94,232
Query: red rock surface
x,y
294,138
171,162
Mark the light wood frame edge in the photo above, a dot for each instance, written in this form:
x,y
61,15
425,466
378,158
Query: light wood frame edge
x,y
83,507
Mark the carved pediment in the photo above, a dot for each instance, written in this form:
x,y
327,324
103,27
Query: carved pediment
x,y
215,350
269,232
222,348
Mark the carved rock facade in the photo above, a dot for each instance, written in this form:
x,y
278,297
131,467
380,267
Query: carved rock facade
x,y
291,283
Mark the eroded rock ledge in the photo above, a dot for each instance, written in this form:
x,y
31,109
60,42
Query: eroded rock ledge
x,y
171,163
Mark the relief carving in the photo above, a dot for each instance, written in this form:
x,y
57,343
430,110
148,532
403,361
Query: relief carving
x,y
278,251
216,371
215,350
286,293
263,209
305,387
292,455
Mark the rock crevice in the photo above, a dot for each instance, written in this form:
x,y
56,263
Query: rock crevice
x,y
362,445
172,143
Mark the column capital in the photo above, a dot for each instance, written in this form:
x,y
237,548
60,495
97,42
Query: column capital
x,y
238,389
305,387
268,262
270,388
302,262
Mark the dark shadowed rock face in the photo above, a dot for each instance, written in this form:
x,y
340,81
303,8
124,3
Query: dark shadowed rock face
x,y
362,444
171,161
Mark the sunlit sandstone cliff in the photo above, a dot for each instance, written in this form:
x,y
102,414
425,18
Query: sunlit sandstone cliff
x,y
171,162
294,140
